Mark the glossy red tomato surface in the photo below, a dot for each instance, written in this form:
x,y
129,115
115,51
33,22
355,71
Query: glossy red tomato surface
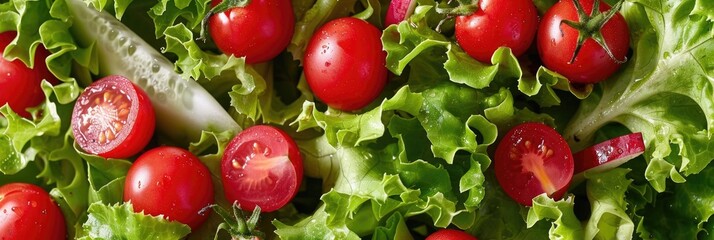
x,y
345,65
495,24
28,212
258,31
532,159
19,84
262,167
113,118
170,181
556,44
450,234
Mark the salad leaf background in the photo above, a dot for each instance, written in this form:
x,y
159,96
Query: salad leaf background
x,y
418,158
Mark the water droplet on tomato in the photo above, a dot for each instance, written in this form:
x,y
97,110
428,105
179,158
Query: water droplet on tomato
x,y
327,64
13,209
4,211
139,185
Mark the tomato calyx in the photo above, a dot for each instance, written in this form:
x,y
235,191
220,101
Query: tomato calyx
x,y
225,5
237,225
464,8
590,26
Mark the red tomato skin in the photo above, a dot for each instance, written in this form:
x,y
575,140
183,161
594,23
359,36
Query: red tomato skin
x,y
495,24
28,212
20,86
283,190
556,44
258,31
141,121
345,65
170,181
522,184
450,234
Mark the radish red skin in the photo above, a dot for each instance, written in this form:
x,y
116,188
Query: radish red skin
x,y
533,159
398,11
450,234
609,154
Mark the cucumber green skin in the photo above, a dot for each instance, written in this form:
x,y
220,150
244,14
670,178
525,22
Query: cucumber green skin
x,y
183,108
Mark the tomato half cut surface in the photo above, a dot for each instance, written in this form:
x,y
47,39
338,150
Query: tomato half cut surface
x,y
262,167
533,159
113,118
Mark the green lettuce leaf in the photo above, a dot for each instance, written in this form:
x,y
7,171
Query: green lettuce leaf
x,y
664,91
121,222
609,219
684,211
565,224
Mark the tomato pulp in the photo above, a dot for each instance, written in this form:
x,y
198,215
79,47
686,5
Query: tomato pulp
x,y
261,167
113,118
532,159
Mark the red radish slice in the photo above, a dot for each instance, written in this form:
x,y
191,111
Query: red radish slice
x,y
609,154
398,11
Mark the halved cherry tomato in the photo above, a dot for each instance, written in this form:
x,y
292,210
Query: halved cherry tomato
x,y
345,65
557,43
20,85
172,182
532,159
113,118
259,31
262,167
28,212
450,234
495,24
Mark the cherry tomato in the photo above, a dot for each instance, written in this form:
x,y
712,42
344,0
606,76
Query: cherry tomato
x,y
170,181
557,42
495,24
261,167
20,85
28,212
113,118
345,65
531,159
259,31
450,234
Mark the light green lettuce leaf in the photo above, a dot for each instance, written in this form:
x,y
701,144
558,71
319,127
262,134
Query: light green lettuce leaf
x,y
663,91
121,222
395,228
565,225
608,219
